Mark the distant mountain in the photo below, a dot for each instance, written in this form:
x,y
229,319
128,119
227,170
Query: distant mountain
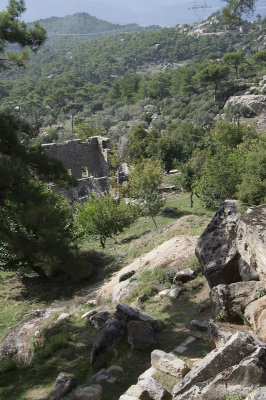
x,y
83,23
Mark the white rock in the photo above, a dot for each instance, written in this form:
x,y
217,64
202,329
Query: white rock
x,y
92,302
148,373
89,314
169,363
63,316
155,390
258,394
164,293
175,292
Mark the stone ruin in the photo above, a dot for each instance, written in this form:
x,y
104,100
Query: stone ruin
x,y
86,161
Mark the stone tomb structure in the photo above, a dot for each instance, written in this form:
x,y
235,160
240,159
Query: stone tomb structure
x,y
86,161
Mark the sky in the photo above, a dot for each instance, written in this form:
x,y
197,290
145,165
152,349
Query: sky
x,y
143,12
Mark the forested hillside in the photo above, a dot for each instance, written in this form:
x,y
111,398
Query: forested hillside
x,y
70,73
83,23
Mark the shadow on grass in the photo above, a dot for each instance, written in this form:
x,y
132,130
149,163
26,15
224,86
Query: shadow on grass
x,y
62,287
71,357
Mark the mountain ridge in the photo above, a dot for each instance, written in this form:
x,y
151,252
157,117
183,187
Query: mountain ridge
x,y
84,23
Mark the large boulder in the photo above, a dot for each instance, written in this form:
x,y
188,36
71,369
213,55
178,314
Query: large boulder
x,y
126,314
64,384
240,379
123,289
169,363
98,319
239,346
104,342
251,239
256,102
233,247
155,390
141,335
255,313
217,336
258,394
16,344
230,301
216,248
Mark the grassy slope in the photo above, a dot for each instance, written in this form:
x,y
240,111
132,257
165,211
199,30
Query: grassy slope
x,y
68,348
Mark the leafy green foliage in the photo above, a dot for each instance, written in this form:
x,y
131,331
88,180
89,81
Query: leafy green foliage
x,y
234,59
36,229
85,130
252,189
214,73
220,176
103,217
236,8
14,30
145,181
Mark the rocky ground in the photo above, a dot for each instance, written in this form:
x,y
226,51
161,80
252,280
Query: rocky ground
x,y
148,332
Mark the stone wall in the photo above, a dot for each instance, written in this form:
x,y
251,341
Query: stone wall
x,y
86,161
77,155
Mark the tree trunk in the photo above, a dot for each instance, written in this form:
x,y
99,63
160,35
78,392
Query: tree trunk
x,y
215,91
40,272
154,221
191,199
102,241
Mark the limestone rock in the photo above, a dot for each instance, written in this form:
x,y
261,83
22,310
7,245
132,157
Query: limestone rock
x,y
127,397
88,314
169,363
141,335
184,276
164,293
258,394
104,342
239,379
63,316
92,302
255,313
99,377
97,320
251,239
231,300
183,347
115,370
155,390
239,346
257,103
17,343
149,373
175,292
199,329
64,384
123,289
217,336
126,314
216,248
138,392
92,392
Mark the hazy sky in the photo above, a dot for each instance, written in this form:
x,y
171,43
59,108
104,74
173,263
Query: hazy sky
x,y
144,12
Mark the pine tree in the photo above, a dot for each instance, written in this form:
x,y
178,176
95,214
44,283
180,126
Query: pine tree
x,y
35,225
